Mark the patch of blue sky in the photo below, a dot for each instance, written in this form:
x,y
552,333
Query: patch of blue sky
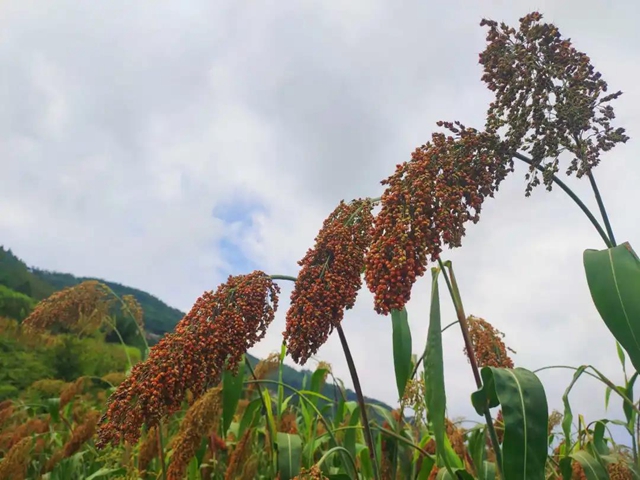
x,y
236,214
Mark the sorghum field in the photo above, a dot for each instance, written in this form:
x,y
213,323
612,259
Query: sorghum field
x,y
192,405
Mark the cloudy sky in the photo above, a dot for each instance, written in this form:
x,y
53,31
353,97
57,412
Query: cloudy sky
x,y
166,145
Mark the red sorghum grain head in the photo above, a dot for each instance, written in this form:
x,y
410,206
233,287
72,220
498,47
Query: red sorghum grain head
x,y
489,349
218,330
426,204
548,97
329,279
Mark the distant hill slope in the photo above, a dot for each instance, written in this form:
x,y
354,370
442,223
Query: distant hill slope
x,y
15,275
160,318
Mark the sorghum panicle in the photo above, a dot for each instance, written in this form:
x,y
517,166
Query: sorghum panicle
x,y
202,417
15,462
131,306
218,330
288,422
313,473
80,435
548,97
264,368
426,204
10,436
239,455
414,398
148,450
71,390
78,308
487,343
329,279
555,419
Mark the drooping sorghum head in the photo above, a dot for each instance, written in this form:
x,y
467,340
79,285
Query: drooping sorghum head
x,y
329,279
201,418
16,460
218,330
131,306
148,451
80,308
264,368
426,204
489,349
239,456
80,435
548,97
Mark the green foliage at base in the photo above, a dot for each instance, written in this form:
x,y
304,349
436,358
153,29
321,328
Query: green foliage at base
x,y
14,304
22,364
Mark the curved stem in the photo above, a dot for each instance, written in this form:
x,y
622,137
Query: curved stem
x,y
313,406
272,433
138,326
404,440
356,385
363,412
603,211
464,326
338,448
159,439
283,277
599,377
124,345
573,196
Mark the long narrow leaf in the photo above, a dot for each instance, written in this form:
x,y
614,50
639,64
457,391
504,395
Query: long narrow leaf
x,y
435,397
593,470
401,348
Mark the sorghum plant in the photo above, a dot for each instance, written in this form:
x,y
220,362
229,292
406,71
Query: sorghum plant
x,y
549,101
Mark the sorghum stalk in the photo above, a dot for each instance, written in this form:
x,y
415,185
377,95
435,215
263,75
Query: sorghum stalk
x,y
159,439
356,385
464,327
573,197
603,211
272,432
363,412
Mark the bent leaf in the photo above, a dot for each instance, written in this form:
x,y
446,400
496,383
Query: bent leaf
x,y
289,455
613,276
401,348
592,468
525,414
435,397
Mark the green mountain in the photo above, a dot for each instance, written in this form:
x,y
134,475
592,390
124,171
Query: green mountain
x,y
22,286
